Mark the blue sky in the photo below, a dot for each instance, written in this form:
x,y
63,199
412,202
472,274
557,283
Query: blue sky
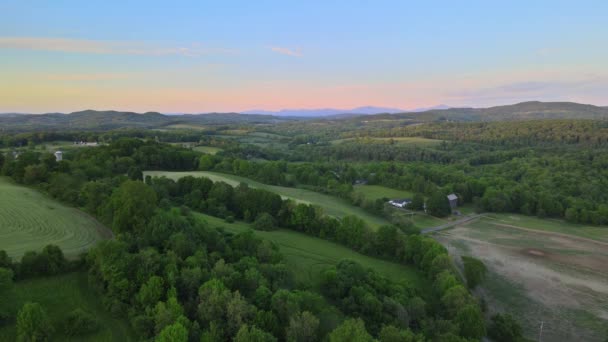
x,y
199,56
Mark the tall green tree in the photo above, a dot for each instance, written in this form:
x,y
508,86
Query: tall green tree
x,y
249,333
438,205
33,324
175,332
351,330
133,204
302,328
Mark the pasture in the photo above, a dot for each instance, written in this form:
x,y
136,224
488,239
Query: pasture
x,y
405,141
59,295
309,256
207,149
374,192
332,205
30,220
540,269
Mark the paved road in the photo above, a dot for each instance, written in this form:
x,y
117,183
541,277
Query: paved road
x,y
451,224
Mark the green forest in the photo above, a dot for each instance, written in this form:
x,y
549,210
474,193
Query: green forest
x,y
170,276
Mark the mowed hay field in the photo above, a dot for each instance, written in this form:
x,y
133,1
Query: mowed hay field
x,y
59,295
332,205
30,220
308,256
374,192
540,270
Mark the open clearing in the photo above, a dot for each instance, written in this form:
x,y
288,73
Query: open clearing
x,y
332,205
374,192
414,141
60,295
540,270
207,149
309,256
29,221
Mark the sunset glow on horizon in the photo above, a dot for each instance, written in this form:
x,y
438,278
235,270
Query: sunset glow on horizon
x,y
199,57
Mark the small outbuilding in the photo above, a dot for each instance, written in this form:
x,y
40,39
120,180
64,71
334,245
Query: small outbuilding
x,y
453,199
58,156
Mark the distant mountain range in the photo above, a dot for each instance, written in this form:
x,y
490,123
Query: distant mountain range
x,y
107,120
367,110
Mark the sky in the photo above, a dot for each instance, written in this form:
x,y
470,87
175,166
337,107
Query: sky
x,y
229,56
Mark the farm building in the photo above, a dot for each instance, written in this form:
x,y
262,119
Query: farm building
x,y
400,203
58,156
453,199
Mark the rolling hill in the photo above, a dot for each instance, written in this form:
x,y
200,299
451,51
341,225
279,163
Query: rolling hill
x,y
107,120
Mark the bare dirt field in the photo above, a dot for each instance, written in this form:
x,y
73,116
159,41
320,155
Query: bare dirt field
x,y
539,276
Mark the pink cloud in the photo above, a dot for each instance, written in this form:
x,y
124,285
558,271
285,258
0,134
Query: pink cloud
x,y
287,51
105,47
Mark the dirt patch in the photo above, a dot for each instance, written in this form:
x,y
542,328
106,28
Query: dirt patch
x,y
557,275
534,252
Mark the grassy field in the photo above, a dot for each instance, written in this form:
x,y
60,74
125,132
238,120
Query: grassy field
x,y
551,225
59,295
332,205
397,140
374,192
193,127
540,269
29,221
207,149
308,256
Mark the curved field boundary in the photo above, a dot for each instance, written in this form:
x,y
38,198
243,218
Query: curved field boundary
x,y
332,205
30,220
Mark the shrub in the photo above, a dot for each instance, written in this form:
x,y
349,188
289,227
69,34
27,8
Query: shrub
x,y
80,322
33,323
264,222
504,328
474,270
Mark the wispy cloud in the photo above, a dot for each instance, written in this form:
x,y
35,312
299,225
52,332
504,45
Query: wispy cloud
x,y
87,77
106,47
556,89
287,51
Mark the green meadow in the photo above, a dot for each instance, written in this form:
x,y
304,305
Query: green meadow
x,y
309,256
30,220
332,205
60,295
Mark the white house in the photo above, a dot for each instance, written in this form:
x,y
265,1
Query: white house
x,y
400,203
58,156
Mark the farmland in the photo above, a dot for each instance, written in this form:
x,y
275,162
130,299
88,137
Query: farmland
x,y
308,256
374,192
60,295
411,141
30,221
207,149
332,205
540,269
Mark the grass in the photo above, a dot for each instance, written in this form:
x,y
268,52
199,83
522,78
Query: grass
x,y
309,256
417,141
60,295
193,127
332,205
207,149
551,225
30,220
374,192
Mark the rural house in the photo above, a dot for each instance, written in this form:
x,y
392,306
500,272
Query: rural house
x,y
400,203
